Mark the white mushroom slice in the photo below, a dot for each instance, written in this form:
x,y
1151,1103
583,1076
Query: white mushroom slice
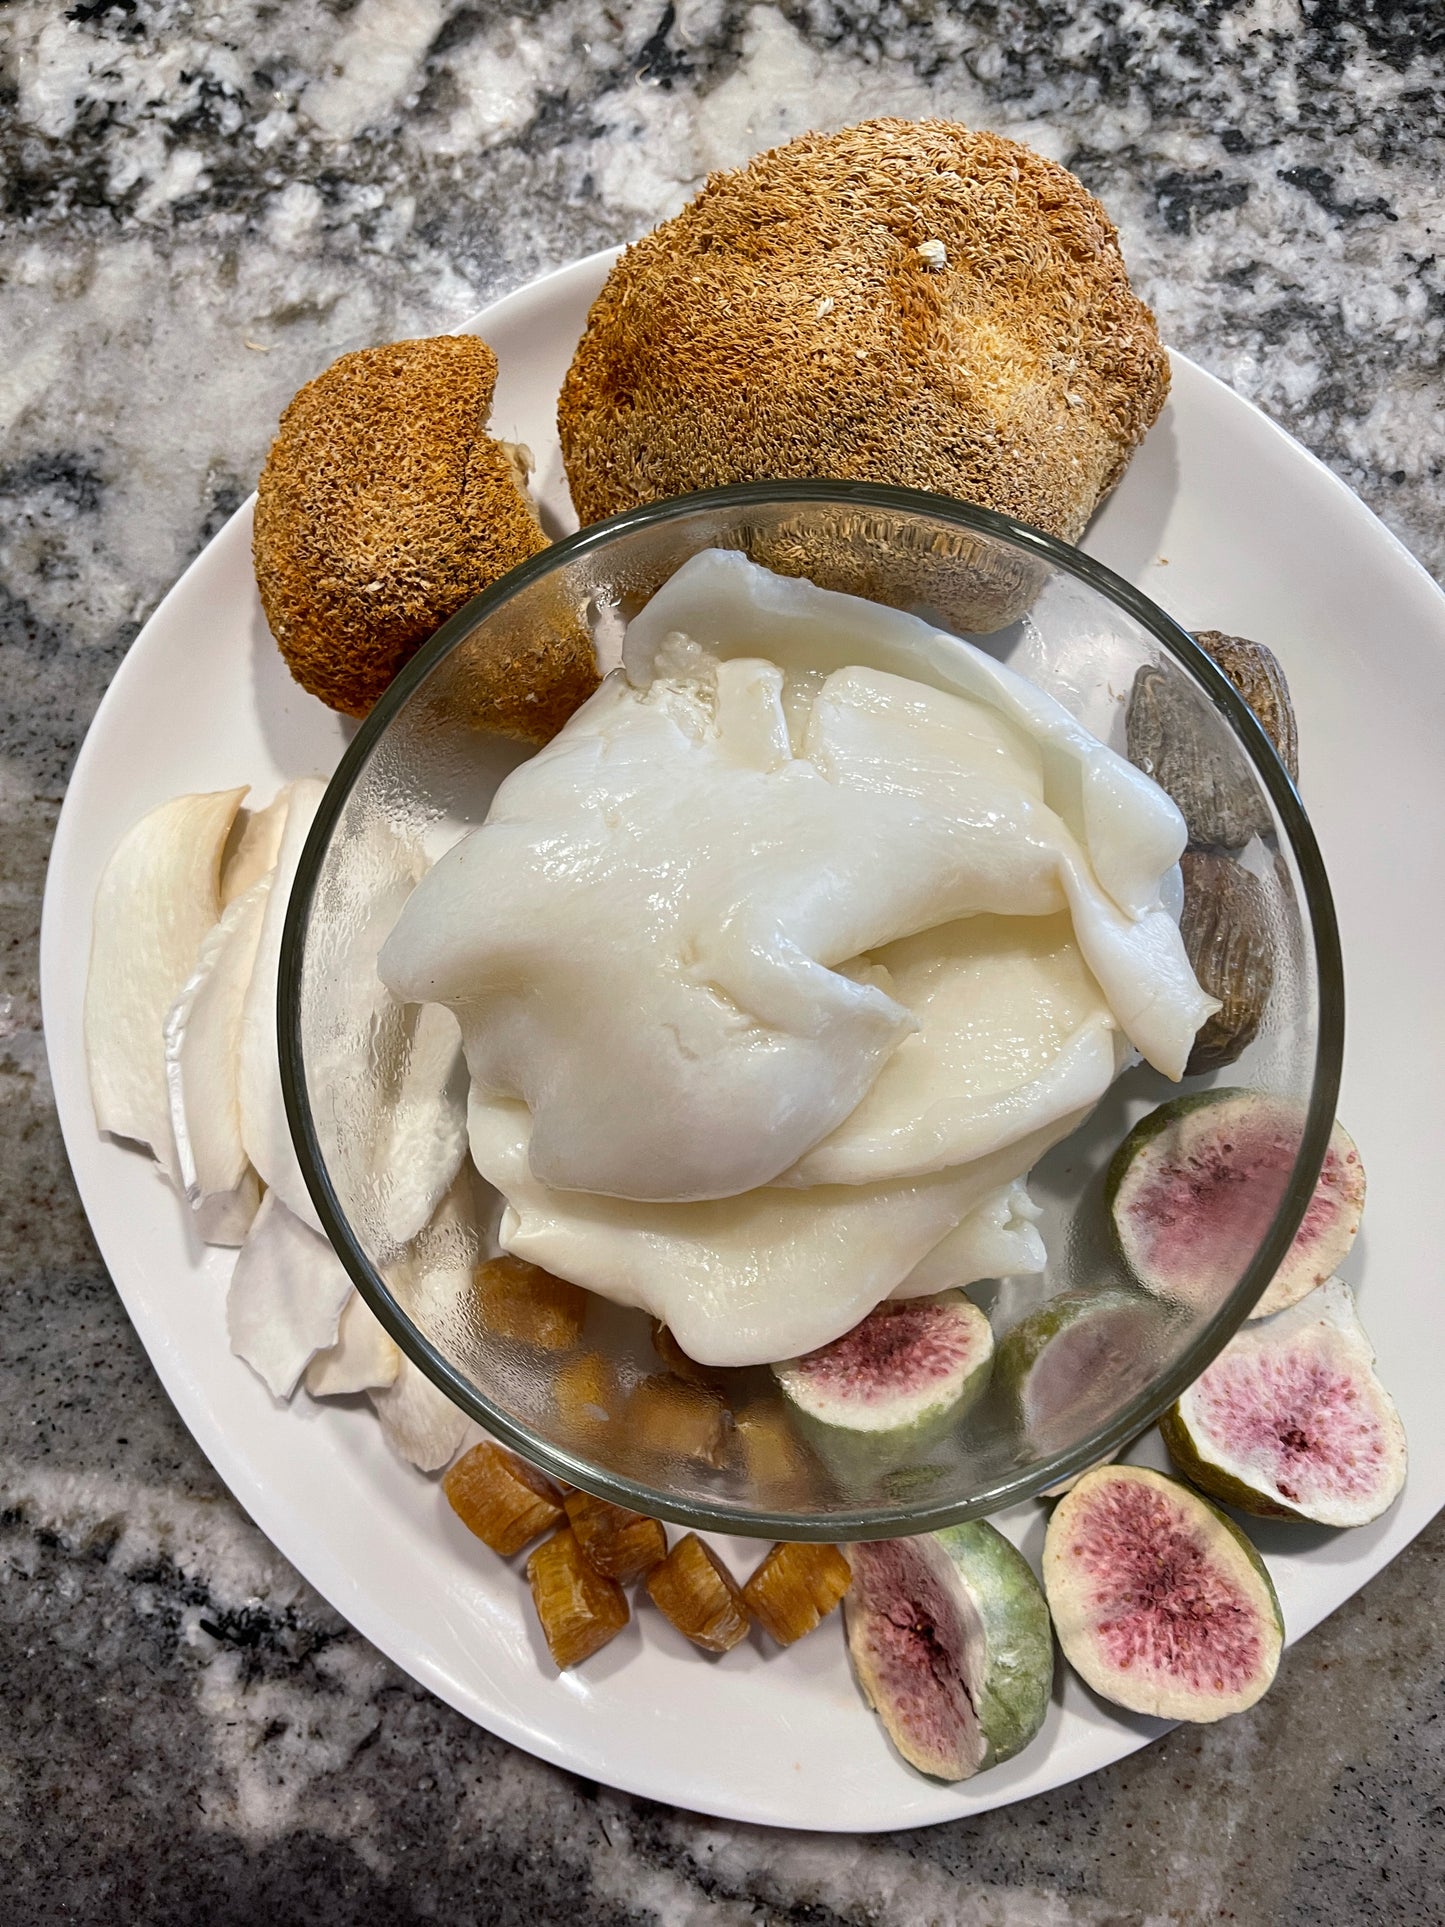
x,y
420,1422
423,1135
202,1055
226,1217
363,1359
264,1130
158,897
286,1297
254,846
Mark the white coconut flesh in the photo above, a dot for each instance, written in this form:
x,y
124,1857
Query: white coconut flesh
x,y
264,1129
908,1361
202,1051
286,1297
1201,1187
253,846
1158,1602
363,1359
422,1136
916,1639
159,895
1292,1409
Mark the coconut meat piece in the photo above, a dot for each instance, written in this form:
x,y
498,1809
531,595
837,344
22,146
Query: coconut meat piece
x,y
776,973
159,895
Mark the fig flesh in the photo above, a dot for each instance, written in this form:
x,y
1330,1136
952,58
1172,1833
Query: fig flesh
x,y
1069,1364
1160,1603
911,1363
1195,1185
949,1638
1290,1421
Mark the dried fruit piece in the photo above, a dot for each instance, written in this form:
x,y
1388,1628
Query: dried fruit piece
x,y
1290,1421
1159,1602
949,1637
1067,1364
1225,927
771,1455
1173,736
910,1364
584,1392
622,1544
501,1498
695,1590
795,1588
579,1608
676,1359
1195,1185
1256,674
677,1421
519,1300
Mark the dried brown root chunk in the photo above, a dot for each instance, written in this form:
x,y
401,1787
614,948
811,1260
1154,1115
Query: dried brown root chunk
x,y
622,1545
519,1300
676,1359
580,1609
768,1449
501,1498
1225,927
1256,674
695,1590
795,1588
677,1421
585,1393
384,506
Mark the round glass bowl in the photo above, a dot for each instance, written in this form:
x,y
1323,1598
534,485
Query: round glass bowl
x,y
600,1406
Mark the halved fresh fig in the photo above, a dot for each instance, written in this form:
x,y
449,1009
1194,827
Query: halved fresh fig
x,y
1160,1603
1290,1421
1194,1186
949,1638
1067,1365
911,1363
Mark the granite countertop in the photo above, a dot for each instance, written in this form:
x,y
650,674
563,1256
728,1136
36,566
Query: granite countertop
x,y
203,207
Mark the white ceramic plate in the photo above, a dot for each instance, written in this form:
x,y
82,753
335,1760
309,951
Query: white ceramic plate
x,y
1228,524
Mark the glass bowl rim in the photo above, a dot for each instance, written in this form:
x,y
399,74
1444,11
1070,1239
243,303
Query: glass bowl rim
x,y
872,1522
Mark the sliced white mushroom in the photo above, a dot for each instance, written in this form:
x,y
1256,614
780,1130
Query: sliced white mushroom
x,y
158,897
431,1285
363,1359
202,1054
264,1130
254,845
226,1217
420,1422
287,1294
422,1136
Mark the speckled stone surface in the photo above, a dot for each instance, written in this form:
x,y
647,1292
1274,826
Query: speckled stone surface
x,y
202,206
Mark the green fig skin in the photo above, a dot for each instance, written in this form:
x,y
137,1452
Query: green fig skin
x,y
1008,1663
